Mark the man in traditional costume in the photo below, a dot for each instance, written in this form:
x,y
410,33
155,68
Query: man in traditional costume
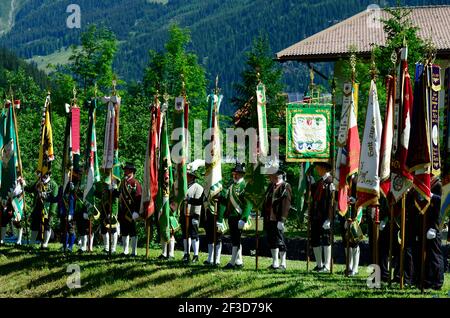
x,y
237,209
130,199
276,207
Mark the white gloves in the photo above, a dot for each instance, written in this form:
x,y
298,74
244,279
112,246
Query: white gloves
x,y
18,217
17,191
70,217
332,187
241,224
431,234
85,216
195,222
220,227
135,216
326,225
382,225
280,226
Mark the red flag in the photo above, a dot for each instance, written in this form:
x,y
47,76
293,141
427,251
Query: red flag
x,y
401,178
348,157
419,160
150,182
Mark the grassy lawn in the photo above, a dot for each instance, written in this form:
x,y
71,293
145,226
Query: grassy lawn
x,y
44,274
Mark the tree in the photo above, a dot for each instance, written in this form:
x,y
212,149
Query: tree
x,y
92,62
260,61
167,71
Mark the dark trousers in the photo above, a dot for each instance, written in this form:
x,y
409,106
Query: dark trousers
x,y
193,229
235,232
104,230
210,227
82,225
275,237
319,236
127,228
36,222
434,264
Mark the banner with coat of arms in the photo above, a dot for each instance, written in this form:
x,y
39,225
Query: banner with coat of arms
x,y
308,132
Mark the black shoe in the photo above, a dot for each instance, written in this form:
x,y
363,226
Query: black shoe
x,y
324,270
195,259
207,263
186,258
317,269
229,266
45,248
162,257
239,266
271,267
282,268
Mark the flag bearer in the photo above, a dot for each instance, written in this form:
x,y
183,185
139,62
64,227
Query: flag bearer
x,y
130,200
108,214
45,192
195,198
237,209
276,207
320,222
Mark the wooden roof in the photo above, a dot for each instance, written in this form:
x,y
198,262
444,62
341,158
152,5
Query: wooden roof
x,y
365,29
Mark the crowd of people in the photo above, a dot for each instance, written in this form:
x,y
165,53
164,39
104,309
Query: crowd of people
x,y
117,212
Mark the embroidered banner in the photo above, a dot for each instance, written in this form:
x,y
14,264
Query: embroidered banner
x,y
308,132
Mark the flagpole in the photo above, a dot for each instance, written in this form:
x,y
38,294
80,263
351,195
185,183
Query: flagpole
x,y
402,244
333,167
213,116
90,137
376,220
308,245
347,261
391,241
19,158
424,253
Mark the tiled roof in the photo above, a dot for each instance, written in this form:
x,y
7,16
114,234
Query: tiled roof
x,y
364,29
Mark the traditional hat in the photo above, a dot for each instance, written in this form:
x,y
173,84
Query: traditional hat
x,y
239,168
325,165
129,166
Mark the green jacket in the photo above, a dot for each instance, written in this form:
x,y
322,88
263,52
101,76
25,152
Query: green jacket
x,y
235,204
45,198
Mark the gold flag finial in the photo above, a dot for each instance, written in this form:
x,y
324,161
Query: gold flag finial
x,y
353,65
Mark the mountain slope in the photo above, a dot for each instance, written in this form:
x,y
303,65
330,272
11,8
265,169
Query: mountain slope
x,y
222,30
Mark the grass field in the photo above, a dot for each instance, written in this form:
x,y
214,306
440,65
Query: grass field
x,y
48,62
44,274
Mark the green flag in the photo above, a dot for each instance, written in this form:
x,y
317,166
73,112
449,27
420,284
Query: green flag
x,y
165,182
181,188
92,171
9,160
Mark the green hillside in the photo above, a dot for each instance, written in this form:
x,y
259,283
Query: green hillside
x,y
222,30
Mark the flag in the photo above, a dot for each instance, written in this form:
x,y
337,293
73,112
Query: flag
x,y
434,88
348,153
302,184
368,187
92,175
445,152
401,178
71,156
46,154
9,160
111,141
419,161
181,173
262,120
150,181
213,174
386,140
165,180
